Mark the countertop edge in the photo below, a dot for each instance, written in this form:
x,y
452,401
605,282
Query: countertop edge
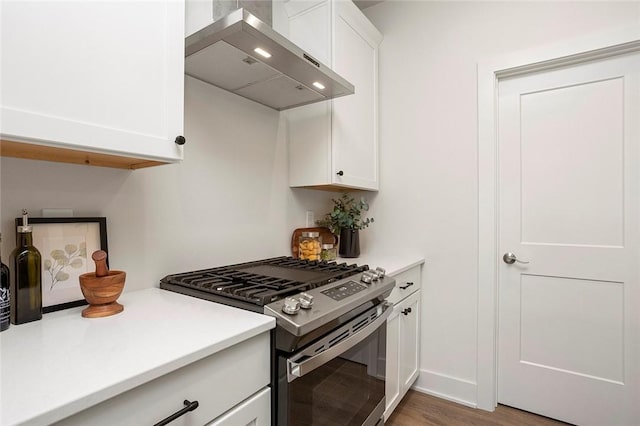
x,y
394,263
413,264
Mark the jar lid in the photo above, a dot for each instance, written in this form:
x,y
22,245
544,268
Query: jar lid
x,y
327,246
311,234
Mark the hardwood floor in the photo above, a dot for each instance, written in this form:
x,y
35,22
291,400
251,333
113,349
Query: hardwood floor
x,y
417,409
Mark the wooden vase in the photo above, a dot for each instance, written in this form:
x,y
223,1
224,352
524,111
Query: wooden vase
x,y
102,288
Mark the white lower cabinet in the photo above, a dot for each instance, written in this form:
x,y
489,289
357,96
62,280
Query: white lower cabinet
x,y
230,387
403,338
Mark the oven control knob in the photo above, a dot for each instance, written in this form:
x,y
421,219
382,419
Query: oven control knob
x,y
306,300
381,272
291,306
367,277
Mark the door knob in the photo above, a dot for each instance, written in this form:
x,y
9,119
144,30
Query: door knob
x,y
510,258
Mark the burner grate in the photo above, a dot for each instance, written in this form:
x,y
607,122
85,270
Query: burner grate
x,y
264,281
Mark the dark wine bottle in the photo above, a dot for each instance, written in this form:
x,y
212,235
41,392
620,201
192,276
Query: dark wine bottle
x,y
26,278
5,311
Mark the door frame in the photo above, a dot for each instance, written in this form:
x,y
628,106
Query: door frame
x,y
490,72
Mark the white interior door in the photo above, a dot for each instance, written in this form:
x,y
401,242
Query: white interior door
x,y
568,204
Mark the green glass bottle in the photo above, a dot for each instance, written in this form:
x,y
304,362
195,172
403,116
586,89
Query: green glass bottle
x,y
5,306
26,277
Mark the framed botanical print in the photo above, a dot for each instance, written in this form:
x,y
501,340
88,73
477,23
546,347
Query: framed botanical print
x,y
65,245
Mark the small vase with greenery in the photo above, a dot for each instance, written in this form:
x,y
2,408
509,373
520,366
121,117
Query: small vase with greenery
x,y
345,221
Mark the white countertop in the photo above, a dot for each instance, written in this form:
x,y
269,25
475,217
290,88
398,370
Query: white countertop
x,y
64,363
393,263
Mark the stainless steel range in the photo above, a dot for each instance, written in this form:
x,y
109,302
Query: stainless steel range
x,y
328,347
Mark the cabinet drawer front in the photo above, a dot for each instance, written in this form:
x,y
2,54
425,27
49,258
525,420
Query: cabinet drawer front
x,y
218,382
407,283
256,411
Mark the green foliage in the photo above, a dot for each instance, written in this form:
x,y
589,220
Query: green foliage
x,y
346,214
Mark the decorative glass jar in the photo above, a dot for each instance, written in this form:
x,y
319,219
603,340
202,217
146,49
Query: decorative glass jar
x,y
329,252
309,246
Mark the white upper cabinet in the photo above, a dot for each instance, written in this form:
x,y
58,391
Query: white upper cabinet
x,y
99,82
334,144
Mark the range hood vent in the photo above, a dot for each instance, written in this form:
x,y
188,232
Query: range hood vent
x,y
224,54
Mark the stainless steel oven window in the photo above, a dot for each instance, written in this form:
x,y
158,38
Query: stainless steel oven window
x,y
340,379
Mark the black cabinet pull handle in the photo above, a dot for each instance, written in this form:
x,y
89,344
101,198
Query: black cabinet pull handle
x,y
406,311
180,140
404,287
340,173
188,406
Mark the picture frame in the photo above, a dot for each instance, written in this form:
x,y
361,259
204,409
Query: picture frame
x,y
66,245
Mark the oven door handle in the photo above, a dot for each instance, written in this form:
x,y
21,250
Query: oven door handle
x,y
299,369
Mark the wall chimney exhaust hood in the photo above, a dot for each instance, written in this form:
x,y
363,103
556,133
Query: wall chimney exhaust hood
x,y
242,54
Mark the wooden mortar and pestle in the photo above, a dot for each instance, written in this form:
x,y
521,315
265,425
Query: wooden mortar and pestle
x,y
102,288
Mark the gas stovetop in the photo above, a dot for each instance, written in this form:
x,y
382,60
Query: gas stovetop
x,y
252,285
307,298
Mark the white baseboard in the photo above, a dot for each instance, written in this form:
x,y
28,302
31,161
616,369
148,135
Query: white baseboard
x,y
447,387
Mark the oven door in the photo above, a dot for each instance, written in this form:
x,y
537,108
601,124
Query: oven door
x,y
339,379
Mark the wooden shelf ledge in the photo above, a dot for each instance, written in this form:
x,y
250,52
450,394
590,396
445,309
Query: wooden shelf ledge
x,y
65,155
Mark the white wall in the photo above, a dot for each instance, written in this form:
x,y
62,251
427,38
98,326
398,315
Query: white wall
x,y
228,201
428,135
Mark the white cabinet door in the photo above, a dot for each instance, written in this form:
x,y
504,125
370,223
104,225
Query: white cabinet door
x,y
103,77
309,130
334,144
355,118
409,340
310,27
403,338
392,379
